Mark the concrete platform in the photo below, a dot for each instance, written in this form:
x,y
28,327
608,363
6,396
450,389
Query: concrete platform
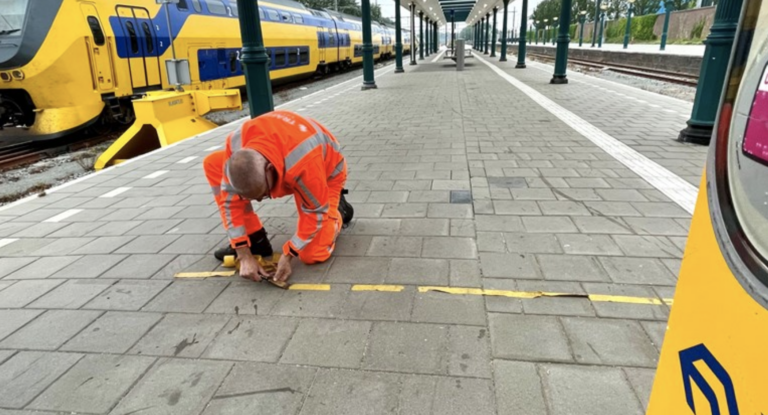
x,y
430,304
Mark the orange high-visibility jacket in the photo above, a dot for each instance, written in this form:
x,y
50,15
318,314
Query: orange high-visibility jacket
x,y
305,155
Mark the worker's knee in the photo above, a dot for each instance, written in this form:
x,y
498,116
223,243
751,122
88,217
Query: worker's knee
x,y
317,255
213,164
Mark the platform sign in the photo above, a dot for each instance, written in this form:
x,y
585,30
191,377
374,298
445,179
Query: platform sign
x,y
714,359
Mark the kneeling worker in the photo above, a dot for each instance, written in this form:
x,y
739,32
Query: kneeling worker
x,y
279,154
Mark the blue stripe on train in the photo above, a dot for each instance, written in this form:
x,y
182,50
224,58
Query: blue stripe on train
x,y
224,63
159,29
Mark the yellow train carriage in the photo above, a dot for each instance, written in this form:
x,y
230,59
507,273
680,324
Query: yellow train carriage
x,y
68,64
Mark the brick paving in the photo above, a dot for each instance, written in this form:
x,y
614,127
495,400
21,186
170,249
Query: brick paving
x,y
93,321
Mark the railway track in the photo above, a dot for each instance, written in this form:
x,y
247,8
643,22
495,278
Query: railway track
x,y
21,154
659,75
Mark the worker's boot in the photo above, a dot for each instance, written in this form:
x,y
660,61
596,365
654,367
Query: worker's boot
x,y
260,245
346,210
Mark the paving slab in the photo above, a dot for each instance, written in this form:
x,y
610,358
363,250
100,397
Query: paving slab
x,y
111,375
257,388
333,343
113,332
27,374
243,339
50,330
579,389
24,292
175,386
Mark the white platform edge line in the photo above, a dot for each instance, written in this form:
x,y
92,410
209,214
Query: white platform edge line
x,y
7,241
156,174
438,56
381,72
115,192
673,186
63,215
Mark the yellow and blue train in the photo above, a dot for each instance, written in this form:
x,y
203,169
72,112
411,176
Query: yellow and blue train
x,y
69,64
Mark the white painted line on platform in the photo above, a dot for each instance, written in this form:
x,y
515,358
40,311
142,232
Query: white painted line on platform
x,y
186,160
115,192
156,174
677,189
7,241
63,215
438,56
212,148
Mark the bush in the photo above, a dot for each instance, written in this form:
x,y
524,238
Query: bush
x,y
642,27
698,28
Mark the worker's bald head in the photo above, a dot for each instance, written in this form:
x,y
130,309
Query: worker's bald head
x,y
248,173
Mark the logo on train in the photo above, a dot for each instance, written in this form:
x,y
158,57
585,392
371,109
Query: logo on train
x,y
690,373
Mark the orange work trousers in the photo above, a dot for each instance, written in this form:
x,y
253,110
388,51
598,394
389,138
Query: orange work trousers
x,y
241,213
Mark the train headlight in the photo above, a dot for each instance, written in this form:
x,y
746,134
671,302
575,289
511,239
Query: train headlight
x,y
18,74
5,76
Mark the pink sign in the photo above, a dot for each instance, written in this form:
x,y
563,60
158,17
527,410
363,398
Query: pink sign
x,y
756,136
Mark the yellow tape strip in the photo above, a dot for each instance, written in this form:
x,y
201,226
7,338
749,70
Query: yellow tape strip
x,y
384,288
624,299
453,290
310,287
204,274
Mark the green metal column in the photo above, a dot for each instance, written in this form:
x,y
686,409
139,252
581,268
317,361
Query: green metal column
x,y
474,38
629,22
427,47
713,72
554,30
493,36
398,40
503,57
255,60
597,21
453,31
521,44
421,35
487,32
412,12
368,82
667,10
437,37
582,19
563,41
482,34
602,25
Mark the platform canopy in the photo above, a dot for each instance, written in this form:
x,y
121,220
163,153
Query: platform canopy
x,y
482,8
432,9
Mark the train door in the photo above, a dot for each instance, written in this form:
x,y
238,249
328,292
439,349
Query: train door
x,y
149,44
322,43
332,55
98,50
137,41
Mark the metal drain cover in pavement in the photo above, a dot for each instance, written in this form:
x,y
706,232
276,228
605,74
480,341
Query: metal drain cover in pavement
x,y
509,182
461,196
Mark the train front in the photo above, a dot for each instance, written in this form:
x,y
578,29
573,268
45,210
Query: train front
x,y
45,77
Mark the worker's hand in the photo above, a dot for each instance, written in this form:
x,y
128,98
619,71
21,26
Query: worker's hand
x,y
249,266
283,268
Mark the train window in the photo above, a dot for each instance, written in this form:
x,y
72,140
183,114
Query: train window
x,y
98,34
216,7
132,36
293,57
331,37
197,6
286,17
273,15
279,58
148,37
298,18
261,14
182,5
304,57
233,8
